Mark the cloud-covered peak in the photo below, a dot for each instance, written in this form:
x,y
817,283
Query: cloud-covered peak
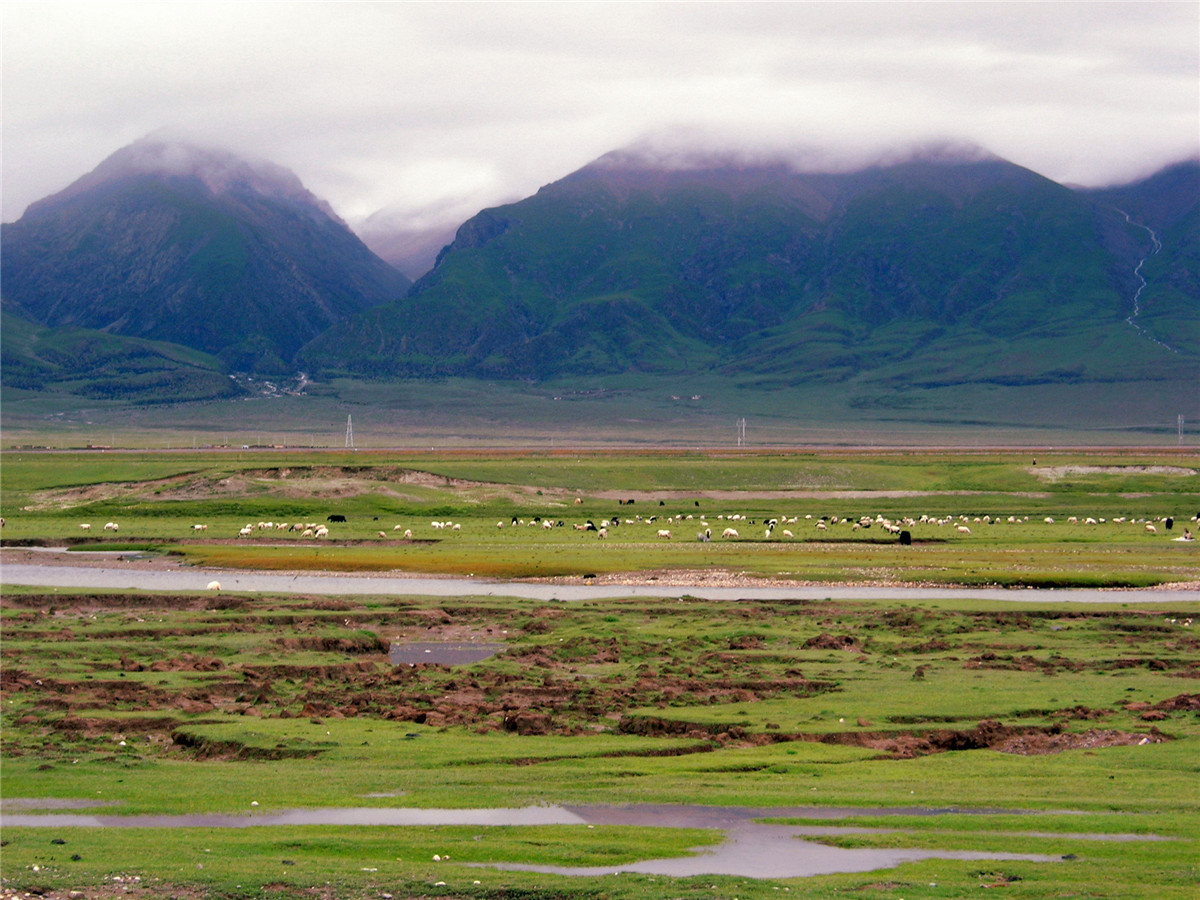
x,y
219,170
691,150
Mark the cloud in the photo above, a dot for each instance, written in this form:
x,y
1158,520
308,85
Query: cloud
x,y
427,109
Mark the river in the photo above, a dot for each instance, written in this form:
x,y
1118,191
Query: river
x,y
241,580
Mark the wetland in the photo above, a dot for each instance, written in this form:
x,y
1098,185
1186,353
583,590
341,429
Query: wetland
x,y
734,717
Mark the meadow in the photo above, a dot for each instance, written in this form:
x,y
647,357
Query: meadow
x,y
1068,722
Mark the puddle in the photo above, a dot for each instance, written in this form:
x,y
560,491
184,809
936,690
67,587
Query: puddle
x,y
773,851
442,654
751,849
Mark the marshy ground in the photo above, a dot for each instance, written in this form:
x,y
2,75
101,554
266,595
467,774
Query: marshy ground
x,y
197,702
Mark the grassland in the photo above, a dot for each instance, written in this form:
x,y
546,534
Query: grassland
x,y
190,704
644,411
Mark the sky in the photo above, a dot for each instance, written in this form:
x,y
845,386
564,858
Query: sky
x,y
421,114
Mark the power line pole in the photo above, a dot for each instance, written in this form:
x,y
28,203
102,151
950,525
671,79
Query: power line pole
x,y
350,434
741,432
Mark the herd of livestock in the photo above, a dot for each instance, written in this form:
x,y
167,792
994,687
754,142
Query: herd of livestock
x,y
665,527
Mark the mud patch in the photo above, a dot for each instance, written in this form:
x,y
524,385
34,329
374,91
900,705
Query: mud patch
x,y
441,654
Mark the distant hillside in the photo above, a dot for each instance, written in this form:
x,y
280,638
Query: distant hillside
x,y
936,270
87,363
410,250
198,247
1166,203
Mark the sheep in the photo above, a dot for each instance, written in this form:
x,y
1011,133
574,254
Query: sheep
x,y
397,528
408,534
1151,529
321,532
963,529
787,533
729,533
214,586
458,527
111,526
383,534
664,533
602,533
245,532
85,525
821,526
199,528
308,532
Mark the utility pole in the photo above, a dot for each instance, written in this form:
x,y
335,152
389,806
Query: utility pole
x,y
1179,424
741,432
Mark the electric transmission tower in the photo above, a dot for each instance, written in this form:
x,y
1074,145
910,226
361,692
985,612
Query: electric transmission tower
x,y
350,434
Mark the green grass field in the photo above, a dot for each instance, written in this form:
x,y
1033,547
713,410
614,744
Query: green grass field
x,y
1075,720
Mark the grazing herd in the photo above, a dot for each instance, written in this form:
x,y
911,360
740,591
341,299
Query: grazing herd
x,y
824,527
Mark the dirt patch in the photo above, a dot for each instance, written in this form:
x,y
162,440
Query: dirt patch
x,y
324,483
987,735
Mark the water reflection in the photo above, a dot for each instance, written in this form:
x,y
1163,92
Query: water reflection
x,y
750,849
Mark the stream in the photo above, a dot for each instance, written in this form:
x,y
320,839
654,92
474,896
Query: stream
x,y
1155,247
196,579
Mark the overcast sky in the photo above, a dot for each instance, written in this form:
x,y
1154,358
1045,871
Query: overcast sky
x,y
436,110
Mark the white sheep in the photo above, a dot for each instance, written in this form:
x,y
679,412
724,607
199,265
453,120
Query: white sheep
x,y
199,528
664,533
214,586
963,529
245,532
407,534
1151,529
111,526
85,525
729,533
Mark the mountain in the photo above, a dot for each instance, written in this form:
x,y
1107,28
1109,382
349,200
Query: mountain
x,y
83,362
1165,204
940,267
408,248
171,242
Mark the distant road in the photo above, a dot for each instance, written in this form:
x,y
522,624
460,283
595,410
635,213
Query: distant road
x,y
196,579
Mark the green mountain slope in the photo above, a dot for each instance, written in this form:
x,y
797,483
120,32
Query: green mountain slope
x,y
196,247
87,363
937,270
